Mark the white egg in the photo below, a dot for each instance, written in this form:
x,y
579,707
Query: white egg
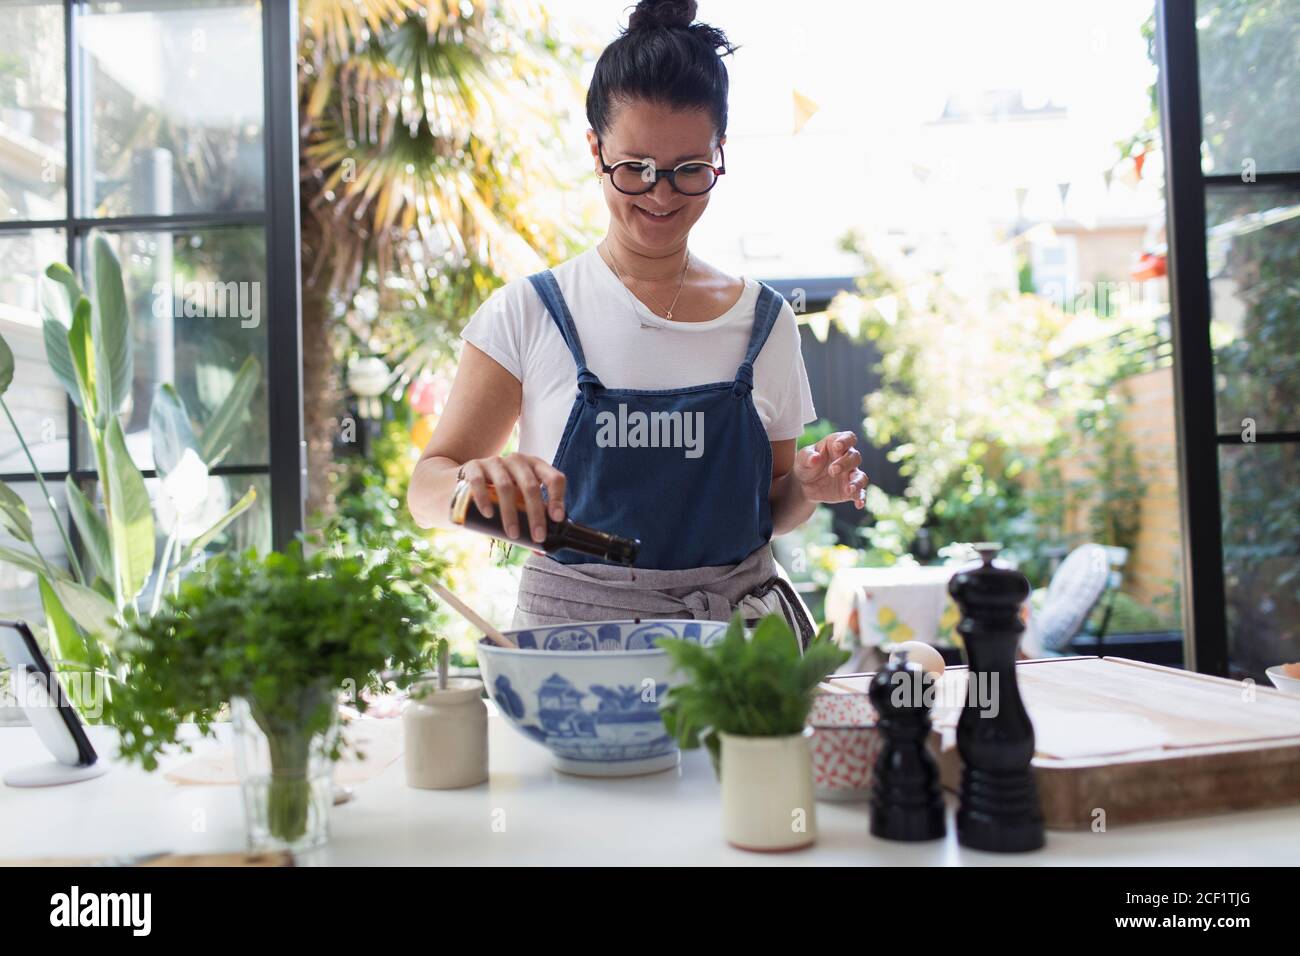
x,y
931,660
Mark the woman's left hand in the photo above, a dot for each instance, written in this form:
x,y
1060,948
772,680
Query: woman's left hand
x,y
828,471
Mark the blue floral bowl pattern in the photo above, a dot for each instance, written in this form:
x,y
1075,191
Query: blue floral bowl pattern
x,y
590,693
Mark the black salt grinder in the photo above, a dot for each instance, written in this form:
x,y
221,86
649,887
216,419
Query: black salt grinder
x,y
998,809
906,802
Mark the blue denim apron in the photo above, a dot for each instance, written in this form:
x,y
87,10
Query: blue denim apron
x,y
686,470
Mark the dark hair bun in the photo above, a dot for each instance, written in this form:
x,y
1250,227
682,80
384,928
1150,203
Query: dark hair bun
x,y
664,56
650,14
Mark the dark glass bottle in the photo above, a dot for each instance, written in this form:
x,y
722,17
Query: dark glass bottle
x,y
559,534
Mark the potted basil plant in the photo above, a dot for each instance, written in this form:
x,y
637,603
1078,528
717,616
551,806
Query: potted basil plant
x,y
281,638
748,700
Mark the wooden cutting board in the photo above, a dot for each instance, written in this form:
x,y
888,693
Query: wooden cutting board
x,y
1120,741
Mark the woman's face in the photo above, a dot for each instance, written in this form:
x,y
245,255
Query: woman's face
x,y
670,137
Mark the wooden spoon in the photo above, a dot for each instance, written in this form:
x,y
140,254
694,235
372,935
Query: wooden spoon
x,y
469,614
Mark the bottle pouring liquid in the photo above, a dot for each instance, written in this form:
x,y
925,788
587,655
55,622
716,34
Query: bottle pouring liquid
x,y
559,534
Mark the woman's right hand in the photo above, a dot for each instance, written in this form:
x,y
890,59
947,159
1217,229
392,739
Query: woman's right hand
x,y
517,476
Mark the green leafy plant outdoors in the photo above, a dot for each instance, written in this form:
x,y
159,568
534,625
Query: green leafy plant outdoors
x,y
756,687
982,414
286,633
89,348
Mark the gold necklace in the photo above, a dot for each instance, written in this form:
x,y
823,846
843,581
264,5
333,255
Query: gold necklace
x,y
618,271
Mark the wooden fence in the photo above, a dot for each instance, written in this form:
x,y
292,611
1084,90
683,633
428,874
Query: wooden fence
x,y
1154,565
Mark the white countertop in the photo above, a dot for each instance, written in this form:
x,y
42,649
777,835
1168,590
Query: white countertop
x,y
529,814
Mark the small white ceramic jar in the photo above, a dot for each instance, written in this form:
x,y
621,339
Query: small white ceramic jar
x,y
767,792
445,735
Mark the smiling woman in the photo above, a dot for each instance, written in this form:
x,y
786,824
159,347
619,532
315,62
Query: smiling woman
x,y
654,339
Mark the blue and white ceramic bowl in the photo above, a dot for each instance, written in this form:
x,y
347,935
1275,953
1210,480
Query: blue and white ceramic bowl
x,y
590,693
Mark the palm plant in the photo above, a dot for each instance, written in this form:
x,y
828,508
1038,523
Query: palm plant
x,y
429,143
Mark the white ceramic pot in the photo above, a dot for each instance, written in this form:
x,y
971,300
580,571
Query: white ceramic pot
x,y
767,792
445,735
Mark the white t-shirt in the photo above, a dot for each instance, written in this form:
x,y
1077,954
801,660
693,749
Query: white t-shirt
x,y
628,346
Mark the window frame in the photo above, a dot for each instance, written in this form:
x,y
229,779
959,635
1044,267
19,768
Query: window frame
x,y
1199,438
278,220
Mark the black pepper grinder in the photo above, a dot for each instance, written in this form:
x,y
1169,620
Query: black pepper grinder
x,y
906,802
998,809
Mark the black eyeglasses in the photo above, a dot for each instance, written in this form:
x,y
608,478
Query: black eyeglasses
x,y
633,177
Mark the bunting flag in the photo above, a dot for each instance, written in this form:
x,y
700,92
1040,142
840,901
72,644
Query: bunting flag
x,y
848,313
887,306
804,108
820,323
1021,193
1128,171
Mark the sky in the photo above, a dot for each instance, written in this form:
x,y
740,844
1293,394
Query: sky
x,y
879,74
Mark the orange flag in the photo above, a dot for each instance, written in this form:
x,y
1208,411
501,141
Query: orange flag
x,y
804,108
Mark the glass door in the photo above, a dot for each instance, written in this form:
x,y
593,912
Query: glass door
x,y
1232,138
169,128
